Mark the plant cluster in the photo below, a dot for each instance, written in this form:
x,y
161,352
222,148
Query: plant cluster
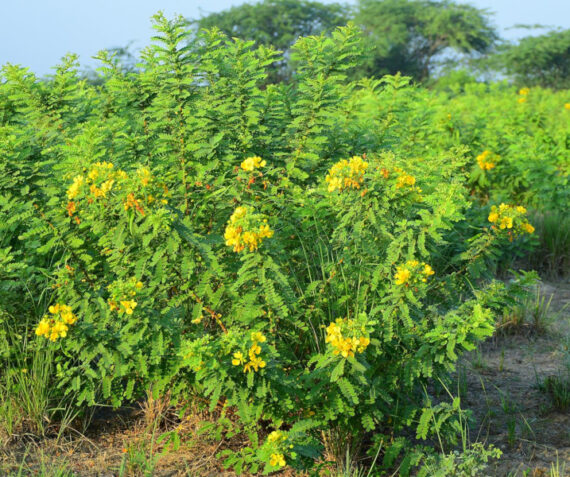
x,y
296,256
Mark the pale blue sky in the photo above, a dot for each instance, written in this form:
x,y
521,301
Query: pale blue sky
x,y
37,33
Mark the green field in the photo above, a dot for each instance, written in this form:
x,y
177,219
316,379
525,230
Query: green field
x,y
204,272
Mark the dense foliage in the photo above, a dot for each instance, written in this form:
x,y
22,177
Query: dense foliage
x,y
278,24
542,60
310,258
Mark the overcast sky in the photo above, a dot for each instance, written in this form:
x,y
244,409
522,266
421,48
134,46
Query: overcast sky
x,y
37,33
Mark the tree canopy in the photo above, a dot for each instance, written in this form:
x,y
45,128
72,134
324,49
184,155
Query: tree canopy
x,y
278,23
539,60
406,35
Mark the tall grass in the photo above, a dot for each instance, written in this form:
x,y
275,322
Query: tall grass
x,y
551,254
30,402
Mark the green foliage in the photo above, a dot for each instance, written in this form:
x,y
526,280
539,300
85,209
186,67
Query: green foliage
x,y
302,256
542,60
407,35
277,24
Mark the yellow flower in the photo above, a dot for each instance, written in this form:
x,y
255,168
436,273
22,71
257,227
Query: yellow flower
x,y
522,100
506,222
402,275
144,175
567,106
277,460
139,285
252,163
238,358
275,436
346,174
255,363
528,228
483,162
129,306
427,271
58,330
524,91
258,337
74,189
43,328
238,238
493,217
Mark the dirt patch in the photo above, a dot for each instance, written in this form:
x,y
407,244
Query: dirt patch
x,y
501,384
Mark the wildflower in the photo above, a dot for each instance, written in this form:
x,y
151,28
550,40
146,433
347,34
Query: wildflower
x,y
144,175
524,91
258,337
132,202
427,271
521,100
71,209
346,174
275,436
238,358
412,272
405,180
43,328
246,230
345,338
402,275
128,306
252,163
510,218
74,189
255,363
567,106
277,460
485,160
58,330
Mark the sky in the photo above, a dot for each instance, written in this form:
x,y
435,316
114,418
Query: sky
x,y
37,33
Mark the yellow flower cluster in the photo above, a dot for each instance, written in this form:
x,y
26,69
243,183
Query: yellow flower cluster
x,y
246,230
404,179
412,272
252,163
486,160
567,106
510,218
346,174
343,344
255,361
144,176
57,325
277,460
276,436
74,189
122,296
523,92
102,178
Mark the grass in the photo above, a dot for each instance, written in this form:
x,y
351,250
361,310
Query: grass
x,y
551,253
533,315
30,403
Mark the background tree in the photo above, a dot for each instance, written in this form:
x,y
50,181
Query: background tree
x,y
538,60
278,23
408,35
